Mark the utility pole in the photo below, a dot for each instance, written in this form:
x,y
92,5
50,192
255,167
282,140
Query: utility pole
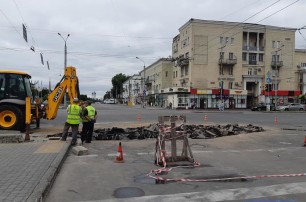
x,y
144,77
276,60
65,63
221,57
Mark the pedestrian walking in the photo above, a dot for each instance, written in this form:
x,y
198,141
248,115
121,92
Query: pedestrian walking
x,y
73,121
89,118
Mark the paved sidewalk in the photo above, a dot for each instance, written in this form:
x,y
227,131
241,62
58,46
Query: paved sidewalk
x,y
29,168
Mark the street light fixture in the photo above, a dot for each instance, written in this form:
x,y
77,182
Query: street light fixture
x,y
65,61
144,76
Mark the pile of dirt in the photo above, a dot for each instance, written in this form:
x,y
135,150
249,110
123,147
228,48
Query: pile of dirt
x,y
192,131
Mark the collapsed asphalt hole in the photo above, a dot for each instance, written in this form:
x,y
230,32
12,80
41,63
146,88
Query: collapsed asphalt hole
x,y
152,131
128,192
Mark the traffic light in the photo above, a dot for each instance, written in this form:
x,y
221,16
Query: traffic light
x,y
268,87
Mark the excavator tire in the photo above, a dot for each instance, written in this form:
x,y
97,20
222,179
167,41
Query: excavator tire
x,y
11,118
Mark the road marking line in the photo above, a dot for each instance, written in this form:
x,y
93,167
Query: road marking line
x,y
124,154
90,155
285,143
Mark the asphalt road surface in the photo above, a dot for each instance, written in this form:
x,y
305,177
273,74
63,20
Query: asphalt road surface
x,y
269,165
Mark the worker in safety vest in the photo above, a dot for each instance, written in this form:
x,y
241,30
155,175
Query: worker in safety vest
x,y
89,117
73,121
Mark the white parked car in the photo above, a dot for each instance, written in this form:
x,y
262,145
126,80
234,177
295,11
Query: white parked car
x,y
110,101
291,107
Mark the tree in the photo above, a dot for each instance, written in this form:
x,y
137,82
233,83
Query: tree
x,y
107,95
117,82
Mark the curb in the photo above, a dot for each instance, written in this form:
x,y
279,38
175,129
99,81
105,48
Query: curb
x,y
43,187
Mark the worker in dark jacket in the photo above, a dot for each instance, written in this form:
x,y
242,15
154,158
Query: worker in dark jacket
x,y
73,121
89,115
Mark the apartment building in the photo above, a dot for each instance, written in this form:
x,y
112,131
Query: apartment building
x,y
300,61
158,77
229,62
132,89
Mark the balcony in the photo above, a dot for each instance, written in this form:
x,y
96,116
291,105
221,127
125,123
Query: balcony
x,y
253,62
227,61
276,64
252,48
303,69
183,62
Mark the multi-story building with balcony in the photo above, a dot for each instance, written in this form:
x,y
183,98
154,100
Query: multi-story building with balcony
x,y
232,63
132,89
300,61
158,76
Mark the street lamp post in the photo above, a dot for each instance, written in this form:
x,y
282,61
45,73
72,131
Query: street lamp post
x,y
277,59
65,61
221,58
144,77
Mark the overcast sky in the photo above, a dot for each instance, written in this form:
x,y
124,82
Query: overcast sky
x,y
107,35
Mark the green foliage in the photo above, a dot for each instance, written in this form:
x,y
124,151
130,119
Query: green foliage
x,y
83,97
117,82
107,95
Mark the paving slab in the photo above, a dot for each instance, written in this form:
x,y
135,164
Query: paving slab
x,y
28,169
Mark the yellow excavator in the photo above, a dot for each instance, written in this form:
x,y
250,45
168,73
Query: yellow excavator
x,y
17,105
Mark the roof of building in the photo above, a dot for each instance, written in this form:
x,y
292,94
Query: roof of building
x,y
244,25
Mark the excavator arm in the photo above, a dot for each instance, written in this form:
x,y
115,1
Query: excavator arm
x,y
68,82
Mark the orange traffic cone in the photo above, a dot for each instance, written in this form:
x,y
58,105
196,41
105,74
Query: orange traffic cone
x,y
305,141
139,118
119,157
205,118
276,120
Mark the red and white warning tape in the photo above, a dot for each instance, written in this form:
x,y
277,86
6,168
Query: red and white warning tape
x,y
154,173
161,179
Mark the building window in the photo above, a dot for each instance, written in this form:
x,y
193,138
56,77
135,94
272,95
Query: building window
x,y
221,84
166,73
221,55
260,58
249,71
230,56
186,70
173,74
182,71
220,70
226,40
232,40
230,85
244,56
275,44
231,70
275,58
303,64
221,40
176,74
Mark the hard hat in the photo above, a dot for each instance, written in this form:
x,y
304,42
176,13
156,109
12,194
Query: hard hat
x,y
75,99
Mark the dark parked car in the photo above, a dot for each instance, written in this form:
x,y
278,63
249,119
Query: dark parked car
x,y
262,107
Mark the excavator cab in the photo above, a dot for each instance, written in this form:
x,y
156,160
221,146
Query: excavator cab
x,y
14,88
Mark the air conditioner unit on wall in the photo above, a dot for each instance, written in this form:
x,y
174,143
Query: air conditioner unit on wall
x,y
259,69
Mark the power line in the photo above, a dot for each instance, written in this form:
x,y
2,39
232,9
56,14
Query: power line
x,y
255,25
244,21
279,11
